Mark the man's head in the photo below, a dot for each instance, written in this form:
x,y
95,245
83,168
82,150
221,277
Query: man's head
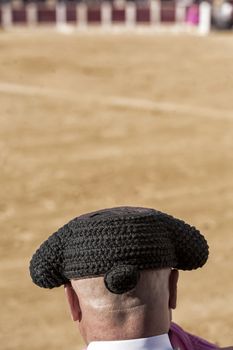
x,y
141,312
117,265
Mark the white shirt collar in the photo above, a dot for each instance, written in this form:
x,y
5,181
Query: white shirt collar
x,y
159,342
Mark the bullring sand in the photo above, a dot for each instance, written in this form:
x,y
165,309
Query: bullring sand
x,y
92,121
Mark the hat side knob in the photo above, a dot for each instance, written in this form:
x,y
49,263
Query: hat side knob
x,y
46,265
191,247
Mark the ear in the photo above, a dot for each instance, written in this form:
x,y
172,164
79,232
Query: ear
x,y
174,276
73,302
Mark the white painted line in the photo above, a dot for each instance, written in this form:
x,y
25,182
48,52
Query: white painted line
x,y
118,101
27,90
194,191
8,264
150,105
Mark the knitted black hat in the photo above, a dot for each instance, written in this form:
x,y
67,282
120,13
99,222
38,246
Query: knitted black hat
x,y
117,243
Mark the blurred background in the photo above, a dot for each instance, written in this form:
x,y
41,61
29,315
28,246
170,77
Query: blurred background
x,y
139,115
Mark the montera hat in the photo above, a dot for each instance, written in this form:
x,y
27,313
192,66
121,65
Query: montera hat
x,y
117,243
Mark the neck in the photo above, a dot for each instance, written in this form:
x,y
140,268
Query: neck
x,y
123,326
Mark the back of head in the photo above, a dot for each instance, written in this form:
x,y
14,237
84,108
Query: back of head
x,y
140,312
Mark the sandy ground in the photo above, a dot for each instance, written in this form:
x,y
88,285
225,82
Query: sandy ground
x,y
92,121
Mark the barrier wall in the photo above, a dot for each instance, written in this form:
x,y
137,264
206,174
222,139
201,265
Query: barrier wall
x,y
129,13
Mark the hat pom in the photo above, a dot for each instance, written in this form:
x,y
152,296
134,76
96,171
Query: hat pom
x,y
121,279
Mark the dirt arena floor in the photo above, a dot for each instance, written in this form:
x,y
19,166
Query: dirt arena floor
x,y
99,120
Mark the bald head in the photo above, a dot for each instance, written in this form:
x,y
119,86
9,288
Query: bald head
x,y
151,289
143,311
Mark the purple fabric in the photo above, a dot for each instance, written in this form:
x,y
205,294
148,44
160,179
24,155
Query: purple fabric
x,y
185,341
192,16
